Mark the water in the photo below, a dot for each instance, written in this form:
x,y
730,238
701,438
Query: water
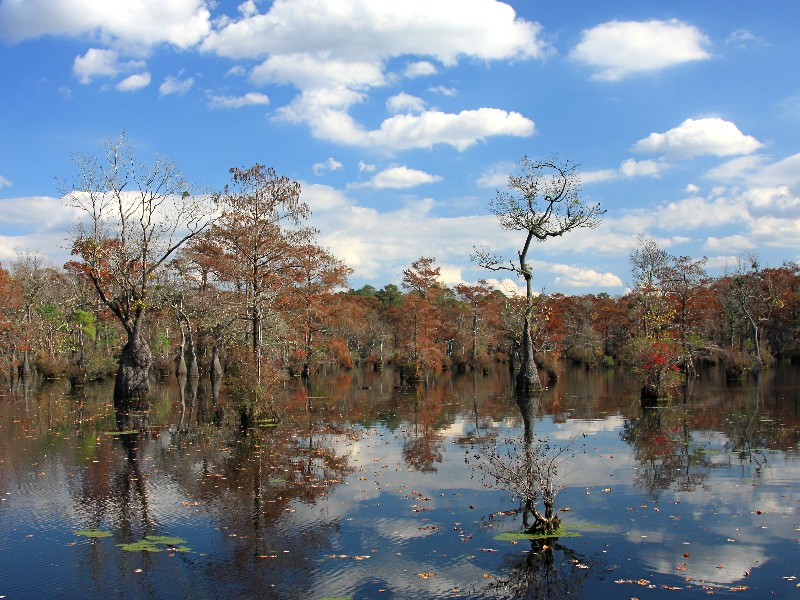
x,y
363,490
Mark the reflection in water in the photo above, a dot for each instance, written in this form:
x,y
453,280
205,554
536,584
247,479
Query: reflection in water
x,y
548,571
361,487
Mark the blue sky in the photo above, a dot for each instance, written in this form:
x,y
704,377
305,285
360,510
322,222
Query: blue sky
x,y
401,118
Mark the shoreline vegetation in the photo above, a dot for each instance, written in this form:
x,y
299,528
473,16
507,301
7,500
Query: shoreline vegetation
x,y
167,280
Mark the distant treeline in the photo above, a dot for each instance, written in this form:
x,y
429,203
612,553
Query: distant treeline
x,y
202,310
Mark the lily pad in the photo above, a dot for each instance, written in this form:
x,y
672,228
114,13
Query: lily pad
x,y
157,543
513,536
93,533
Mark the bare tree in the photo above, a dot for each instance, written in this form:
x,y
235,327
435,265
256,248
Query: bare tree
x,y
134,217
543,201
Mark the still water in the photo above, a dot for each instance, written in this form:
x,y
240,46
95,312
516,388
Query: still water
x,y
365,490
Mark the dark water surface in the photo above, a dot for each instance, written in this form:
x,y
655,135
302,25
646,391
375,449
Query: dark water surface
x,y
363,490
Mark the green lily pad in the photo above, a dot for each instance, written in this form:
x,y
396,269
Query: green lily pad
x,y
156,543
164,539
141,546
93,533
514,536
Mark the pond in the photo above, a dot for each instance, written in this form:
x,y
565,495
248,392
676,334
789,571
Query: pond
x,y
363,489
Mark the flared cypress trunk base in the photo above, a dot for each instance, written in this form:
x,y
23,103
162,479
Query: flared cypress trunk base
x,y
133,374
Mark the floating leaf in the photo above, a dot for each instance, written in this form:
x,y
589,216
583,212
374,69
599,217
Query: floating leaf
x,y
521,535
93,533
156,543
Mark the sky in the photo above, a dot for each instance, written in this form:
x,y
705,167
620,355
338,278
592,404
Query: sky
x,y
402,118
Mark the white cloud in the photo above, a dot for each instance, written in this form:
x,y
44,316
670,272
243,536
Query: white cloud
x,y
248,99
335,52
43,223
420,68
329,165
374,31
182,23
737,243
776,231
364,167
443,90
577,277
699,137
743,38
311,72
783,172
173,85
460,130
323,198
96,63
628,169
399,178
134,82
4,182
248,8
589,177
496,176
508,286
619,49
641,168
405,103
697,212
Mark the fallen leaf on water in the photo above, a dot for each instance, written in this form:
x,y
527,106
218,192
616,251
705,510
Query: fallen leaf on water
x,y
425,575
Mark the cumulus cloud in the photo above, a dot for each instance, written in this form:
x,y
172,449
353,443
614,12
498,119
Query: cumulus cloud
x,y
460,130
405,103
628,169
334,53
172,85
699,137
736,242
329,165
248,99
134,82
323,198
375,31
571,276
589,177
96,63
182,23
42,223
640,168
399,178
420,68
4,182
620,49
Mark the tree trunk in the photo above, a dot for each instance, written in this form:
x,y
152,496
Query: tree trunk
x,y
528,377
215,368
133,375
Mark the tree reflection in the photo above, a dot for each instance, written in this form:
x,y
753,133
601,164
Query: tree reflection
x,y
549,570
423,444
666,450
